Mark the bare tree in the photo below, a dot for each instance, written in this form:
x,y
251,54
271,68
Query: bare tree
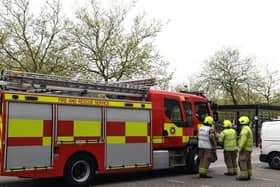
x,y
34,43
228,73
267,86
114,52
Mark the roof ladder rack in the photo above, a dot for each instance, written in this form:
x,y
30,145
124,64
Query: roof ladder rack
x,y
34,82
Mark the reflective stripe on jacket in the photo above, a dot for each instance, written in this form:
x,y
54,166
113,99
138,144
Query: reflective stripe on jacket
x,y
246,139
204,137
228,139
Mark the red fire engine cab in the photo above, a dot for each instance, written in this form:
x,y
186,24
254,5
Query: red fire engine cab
x,y
51,126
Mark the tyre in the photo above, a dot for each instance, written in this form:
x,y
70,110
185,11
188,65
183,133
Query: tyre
x,y
274,161
193,161
79,170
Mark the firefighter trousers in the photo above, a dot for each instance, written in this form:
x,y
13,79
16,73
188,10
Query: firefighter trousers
x,y
230,158
205,156
245,164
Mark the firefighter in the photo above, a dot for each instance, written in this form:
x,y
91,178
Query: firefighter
x,y
245,144
206,145
228,140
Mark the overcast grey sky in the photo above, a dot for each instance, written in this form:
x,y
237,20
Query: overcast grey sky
x,y
198,28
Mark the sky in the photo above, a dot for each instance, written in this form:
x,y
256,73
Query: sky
x,y
196,29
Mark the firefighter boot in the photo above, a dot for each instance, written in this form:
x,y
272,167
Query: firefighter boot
x,y
241,178
229,174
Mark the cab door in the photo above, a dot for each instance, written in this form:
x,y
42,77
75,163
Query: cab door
x,y
175,123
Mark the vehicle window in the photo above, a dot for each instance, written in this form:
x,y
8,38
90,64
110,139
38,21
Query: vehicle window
x,y
201,110
188,111
172,109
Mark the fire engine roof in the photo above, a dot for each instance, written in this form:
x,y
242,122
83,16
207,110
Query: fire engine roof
x,y
171,93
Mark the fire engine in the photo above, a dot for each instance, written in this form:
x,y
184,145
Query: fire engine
x,y
54,126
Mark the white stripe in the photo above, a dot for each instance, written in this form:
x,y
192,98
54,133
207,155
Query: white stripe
x,y
266,179
176,181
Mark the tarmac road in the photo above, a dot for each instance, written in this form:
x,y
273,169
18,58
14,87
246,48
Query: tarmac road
x,y
262,176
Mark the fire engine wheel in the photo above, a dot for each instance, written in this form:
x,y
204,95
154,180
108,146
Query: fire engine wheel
x,y
79,170
274,160
193,161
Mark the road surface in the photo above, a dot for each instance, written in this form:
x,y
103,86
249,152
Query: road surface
x,y
262,176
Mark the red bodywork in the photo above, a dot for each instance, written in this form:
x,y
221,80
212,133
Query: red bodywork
x,y
159,118
63,152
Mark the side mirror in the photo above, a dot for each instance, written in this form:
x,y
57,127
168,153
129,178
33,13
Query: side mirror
x,y
215,116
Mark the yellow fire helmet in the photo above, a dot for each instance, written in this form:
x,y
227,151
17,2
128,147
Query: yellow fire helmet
x,y
244,120
227,124
208,120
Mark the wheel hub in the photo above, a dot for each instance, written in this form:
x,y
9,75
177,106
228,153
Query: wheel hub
x,y
276,161
80,171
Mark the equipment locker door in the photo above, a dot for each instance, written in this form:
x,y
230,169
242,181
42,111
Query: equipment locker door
x,y
128,134
28,136
76,123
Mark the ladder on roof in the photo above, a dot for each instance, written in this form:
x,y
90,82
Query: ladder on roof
x,y
35,82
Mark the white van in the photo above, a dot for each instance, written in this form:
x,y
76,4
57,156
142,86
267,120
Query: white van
x,y
270,144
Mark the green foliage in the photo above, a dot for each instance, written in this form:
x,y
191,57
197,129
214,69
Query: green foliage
x,y
111,50
96,45
34,43
229,78
228,75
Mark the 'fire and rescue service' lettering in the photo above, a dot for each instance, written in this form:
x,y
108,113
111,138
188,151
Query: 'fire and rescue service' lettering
x,y
82,101
76,101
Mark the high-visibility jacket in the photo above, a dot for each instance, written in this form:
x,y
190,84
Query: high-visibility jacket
x,y
204,137
228,139
246,139
212,126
